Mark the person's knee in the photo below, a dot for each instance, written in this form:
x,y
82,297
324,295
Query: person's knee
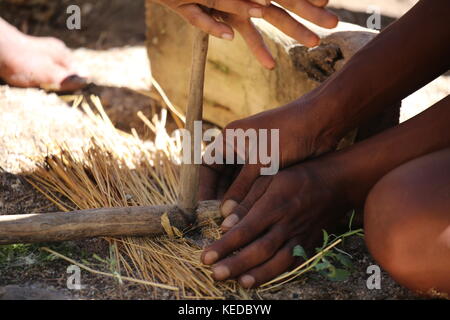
x,y
405,218
391,217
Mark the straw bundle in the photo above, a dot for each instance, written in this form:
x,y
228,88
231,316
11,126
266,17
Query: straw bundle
x,y
117,169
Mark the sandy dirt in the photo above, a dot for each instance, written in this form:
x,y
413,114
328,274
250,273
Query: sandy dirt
x,y
114,55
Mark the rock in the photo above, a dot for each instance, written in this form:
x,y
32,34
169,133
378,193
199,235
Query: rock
x,y
13,292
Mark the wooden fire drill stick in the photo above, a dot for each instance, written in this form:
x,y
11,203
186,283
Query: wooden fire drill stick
x,y
189,176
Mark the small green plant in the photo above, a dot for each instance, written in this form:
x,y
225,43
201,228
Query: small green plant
x,y
14,255
111,262
333,263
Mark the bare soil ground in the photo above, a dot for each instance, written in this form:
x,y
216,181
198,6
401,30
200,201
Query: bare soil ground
x,y
114,54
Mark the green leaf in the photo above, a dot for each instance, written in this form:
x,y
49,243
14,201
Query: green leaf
x,y
350,233
85,262
332,271
325,238
339,275
323,273
96,257
350,223
322,266
299,252
344,260
330,254
50,257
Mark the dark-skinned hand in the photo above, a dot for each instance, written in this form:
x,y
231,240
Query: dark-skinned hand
x,y
278,213
300,137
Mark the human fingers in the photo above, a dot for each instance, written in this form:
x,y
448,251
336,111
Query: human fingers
x,y
254,254
282,20
312,11
254,40
198,18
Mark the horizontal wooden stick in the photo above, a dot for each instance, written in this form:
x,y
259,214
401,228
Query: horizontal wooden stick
x,y
82,224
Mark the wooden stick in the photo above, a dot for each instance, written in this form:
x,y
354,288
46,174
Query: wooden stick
x,y
189,175
82,224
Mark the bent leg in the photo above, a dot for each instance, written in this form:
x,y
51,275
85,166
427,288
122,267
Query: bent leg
x,y
407,223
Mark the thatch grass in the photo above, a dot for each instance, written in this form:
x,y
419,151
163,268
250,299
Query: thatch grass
x,y
119,169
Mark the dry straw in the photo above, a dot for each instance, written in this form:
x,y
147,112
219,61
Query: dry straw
x,y
118,169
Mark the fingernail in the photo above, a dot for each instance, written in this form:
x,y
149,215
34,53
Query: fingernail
x,y
255,12
227,36
75,78
333,23
73,83
210,257
230,221
227,207
270,65
247,281
261,2
313,41
221,272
